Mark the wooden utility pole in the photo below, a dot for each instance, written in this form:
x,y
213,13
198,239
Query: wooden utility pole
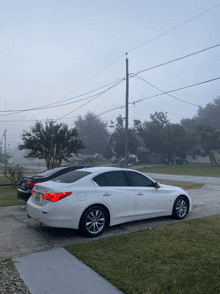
x,y
126,115
5,148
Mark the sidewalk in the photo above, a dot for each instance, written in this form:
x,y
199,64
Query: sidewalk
x,y
57,271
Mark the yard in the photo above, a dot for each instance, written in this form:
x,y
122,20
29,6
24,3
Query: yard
x,y
188,170
179,258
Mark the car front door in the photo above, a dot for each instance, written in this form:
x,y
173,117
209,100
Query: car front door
x,y
113,190
149,199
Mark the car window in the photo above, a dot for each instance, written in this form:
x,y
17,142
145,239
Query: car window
x,y
113,179
100,180
138,180
71,177
49,172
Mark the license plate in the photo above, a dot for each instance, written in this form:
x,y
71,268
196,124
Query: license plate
x,y
37,197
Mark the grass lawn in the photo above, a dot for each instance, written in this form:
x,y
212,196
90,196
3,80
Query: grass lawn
x,y
180,258
188,170
181,184
4,180
8,197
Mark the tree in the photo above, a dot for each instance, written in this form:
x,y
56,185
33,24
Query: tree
x,y
94,133
177,142
166,139
14,172
153,132
209,142
208,115
117,140
52,142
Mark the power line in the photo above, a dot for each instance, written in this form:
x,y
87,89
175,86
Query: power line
x,y
158,36
179,58
139,100
52,105
167,94
173,28
64,104
179,89
90,100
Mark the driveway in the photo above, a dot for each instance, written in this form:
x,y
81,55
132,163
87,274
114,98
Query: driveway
x,y
21,236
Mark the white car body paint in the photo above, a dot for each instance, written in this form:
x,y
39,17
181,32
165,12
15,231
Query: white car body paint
x,y
124,203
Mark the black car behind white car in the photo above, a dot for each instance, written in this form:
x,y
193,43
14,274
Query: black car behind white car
x,y
27,183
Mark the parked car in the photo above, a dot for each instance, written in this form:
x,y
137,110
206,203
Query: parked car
x,y
91,199
178,161
27,183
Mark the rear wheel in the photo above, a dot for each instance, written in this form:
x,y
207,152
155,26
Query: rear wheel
x,y
94,221
180,207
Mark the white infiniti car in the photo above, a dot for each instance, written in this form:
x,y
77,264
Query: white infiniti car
x,y
91,199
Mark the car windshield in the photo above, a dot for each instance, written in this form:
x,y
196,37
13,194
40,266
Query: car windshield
x,y
49,172
71,177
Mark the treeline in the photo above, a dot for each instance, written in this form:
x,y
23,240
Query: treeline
x,y
157,137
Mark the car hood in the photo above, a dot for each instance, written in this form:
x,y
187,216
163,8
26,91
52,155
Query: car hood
x,y
171,187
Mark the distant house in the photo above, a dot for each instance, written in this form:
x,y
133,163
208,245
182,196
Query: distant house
x,y
200,159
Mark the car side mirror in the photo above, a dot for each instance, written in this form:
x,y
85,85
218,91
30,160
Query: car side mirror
x,y
156,185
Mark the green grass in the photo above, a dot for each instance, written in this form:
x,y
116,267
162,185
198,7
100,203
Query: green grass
x,y
181,184
8,197
180,258
189,170
4,180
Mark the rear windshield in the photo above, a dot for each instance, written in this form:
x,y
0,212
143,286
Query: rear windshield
x,y
71,177
49,172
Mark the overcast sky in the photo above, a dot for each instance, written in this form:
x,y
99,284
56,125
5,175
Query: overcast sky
x,y
53,50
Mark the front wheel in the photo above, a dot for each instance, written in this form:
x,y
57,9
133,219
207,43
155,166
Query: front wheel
x,y
94,221
180,207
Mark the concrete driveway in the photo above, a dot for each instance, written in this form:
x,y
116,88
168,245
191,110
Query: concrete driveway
x,y
21,236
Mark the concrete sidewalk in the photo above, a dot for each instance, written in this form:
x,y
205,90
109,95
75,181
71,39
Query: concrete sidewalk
x,y
57,271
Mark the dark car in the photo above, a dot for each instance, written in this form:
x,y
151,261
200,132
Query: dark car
x,y
27,183
178,161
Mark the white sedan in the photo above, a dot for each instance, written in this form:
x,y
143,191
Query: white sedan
x,y
91,199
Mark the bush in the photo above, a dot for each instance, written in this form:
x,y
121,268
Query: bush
x,y
14,172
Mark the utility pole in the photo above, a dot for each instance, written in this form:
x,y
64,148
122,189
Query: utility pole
x,y
5,148
126,115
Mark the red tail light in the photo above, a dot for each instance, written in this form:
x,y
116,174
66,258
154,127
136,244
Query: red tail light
x,y
32,190
31,184
54,197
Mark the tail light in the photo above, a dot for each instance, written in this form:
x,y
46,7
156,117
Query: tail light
x,y
31,184
54,197
32,190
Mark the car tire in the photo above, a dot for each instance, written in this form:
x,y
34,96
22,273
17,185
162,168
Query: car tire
x,y
180,207
94,221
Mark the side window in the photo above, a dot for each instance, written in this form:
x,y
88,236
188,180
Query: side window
x,y
100,180
116,178
138,180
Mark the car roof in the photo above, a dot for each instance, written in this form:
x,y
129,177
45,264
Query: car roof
x,y
103,168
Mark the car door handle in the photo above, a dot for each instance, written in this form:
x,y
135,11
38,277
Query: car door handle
x,y
139,193
106,194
